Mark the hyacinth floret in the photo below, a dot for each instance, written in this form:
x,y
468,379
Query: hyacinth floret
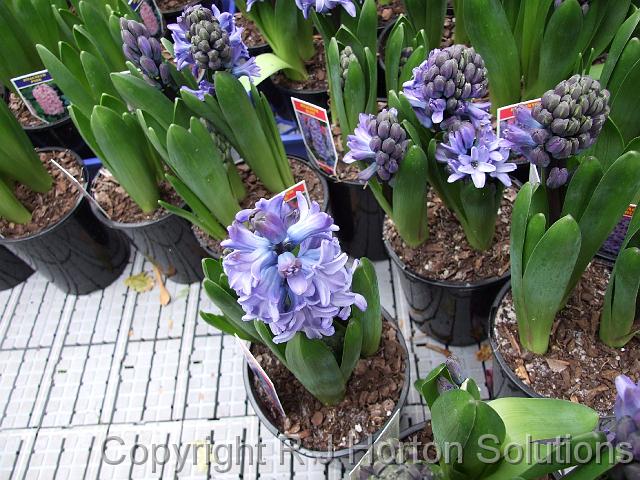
x,y
145,52
567,121
380,141
446,85
207,41
627,430
472,153
325,6
288,269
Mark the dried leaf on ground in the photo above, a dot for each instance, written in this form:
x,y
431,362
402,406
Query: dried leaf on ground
x,y
141,282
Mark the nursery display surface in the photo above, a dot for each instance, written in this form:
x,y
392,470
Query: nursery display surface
x,y
339,239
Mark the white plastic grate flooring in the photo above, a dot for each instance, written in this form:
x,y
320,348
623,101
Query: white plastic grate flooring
x,y
114,386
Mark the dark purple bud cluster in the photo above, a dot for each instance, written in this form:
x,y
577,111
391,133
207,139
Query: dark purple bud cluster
x,y
145,52
210,45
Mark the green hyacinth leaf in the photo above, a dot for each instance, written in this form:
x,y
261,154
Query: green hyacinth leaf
x,y
352,347
581,188
10,208
545,280
314,365
365,282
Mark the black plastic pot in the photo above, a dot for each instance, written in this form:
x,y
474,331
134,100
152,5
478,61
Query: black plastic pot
x,y
454,313
13,271
358,214
280,98
77,254
325,456
167,242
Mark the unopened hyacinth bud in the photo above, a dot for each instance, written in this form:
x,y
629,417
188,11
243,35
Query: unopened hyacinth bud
x,y
445,84
380,141
346,57
145,52
223,145
455,370
567,121
405,53
209,41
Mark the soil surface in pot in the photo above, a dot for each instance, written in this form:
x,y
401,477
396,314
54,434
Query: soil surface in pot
x,y
446,255
47,208
577,367
372,394
316,68
120,206
256,190
172,5
251,35
389,9
22,113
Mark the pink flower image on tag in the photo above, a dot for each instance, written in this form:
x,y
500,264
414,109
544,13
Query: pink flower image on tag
x,y
48,99
149,18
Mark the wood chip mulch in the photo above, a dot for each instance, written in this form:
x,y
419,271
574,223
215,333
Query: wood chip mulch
x,y
577,367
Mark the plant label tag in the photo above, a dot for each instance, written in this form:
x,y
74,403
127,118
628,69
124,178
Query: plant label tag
x,y
41,96
613,243
290,194
313,122
149,14
80,187
507,115
630,211
389,433
273,399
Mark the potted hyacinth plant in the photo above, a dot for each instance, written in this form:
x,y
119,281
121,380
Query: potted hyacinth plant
x,y
291,38
558,291
46,222
315,325
508,438
467,167
213,115
29,23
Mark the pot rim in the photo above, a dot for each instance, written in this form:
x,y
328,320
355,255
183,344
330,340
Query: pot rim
x,y
247,375
500,359
293,93
63,219
179,10
440,283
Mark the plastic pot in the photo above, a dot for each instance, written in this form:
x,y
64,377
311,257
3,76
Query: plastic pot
x,y
358,214
167,242
13,271
344,454
77,254
279,97
456,314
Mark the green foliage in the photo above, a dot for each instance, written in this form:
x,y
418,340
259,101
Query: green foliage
x,y
428,15
472,434
286,30
547,262
528,47
403,37
323,369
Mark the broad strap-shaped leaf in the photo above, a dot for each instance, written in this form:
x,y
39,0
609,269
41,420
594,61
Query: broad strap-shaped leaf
x,y
428,386
625,105
228,304
490,33
536,228
545,280
616,12
365,282
457,417
619,311
612,196
352,347
137,93
609,146
619,43
314,365
480,213
583,183
559,48
409,198
338,110
278,349
10,208
97,75
221,323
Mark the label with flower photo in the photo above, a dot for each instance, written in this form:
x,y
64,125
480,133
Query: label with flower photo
x,y
149,14
506,115
272,396
315,126
41,96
